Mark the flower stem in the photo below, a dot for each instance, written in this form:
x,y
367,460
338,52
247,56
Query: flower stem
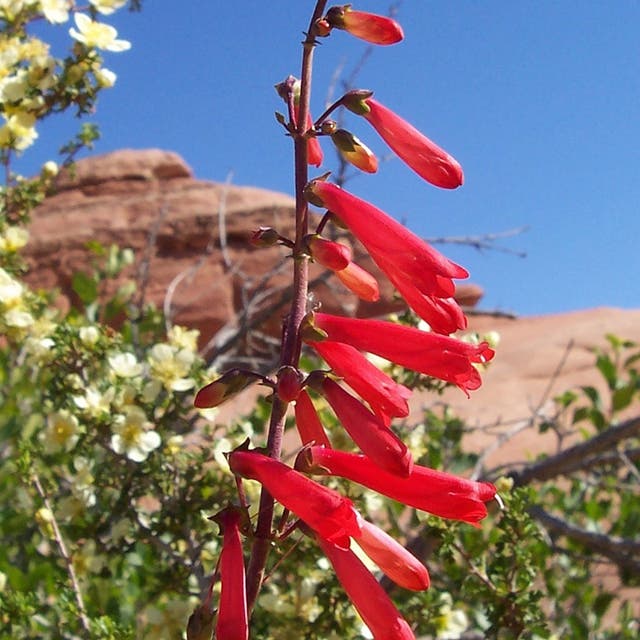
x,y
291,342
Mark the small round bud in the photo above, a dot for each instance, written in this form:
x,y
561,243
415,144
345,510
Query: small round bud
x,y
289,383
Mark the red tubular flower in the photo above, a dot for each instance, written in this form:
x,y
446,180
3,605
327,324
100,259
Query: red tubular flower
x,y
337,257
436,492
416,269
378,442
368,597
425,157
443,315
314,150
360,282
307,421
329,514
385,396
429,353
232,621
331,255
396,562
367,26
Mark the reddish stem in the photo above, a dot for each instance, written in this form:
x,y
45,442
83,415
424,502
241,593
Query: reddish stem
x,y
291,342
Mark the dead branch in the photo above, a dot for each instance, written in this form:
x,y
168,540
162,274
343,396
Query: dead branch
x,y
579,456
621,551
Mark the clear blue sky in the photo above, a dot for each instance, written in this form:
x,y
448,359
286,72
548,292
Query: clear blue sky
x,y
537,99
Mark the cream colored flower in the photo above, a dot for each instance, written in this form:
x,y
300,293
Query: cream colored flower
x,y
133,435
172,366
124,365
105,77
13,88
86,560
18,131
55,11
107,7
10,290
61,433
18,318
95,403
13,238
97,34
89,335
11,8
183,338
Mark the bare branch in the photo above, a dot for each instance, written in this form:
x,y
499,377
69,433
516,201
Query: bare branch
x,y
577,457
621,551
486,241
62,548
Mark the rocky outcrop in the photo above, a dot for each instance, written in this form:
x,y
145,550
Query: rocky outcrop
x,y
190,238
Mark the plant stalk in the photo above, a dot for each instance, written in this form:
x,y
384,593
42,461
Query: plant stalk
x,y
291,343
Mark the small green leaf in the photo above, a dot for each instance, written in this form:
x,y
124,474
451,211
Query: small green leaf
x,y
85,286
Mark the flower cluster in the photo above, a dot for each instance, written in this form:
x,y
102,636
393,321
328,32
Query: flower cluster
x,y
425,279
32,82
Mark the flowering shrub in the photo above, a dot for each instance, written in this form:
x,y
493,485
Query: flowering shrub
x,y
114,480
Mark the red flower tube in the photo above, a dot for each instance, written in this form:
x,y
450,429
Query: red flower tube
x,y
436,492
396,562
232,623
368,597
429,353
385,396
412,265
425,157
367,26
360,282
329,514
443,315
331,255
307,422
379,443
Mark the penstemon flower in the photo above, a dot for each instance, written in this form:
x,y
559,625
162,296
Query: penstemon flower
x,y
385,396
436,492
411,264
367,26
337,257
424,156
392,558
434,355
307,422
232,623
375,439
368,597
329,514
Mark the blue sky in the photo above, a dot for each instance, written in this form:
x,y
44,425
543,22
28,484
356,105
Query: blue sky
x,y
538,100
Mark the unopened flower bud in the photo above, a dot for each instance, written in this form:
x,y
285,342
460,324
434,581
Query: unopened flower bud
x,y
50,169
355,151
289,383
264,237
321,28
216,392
328,127
329,254
200,624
